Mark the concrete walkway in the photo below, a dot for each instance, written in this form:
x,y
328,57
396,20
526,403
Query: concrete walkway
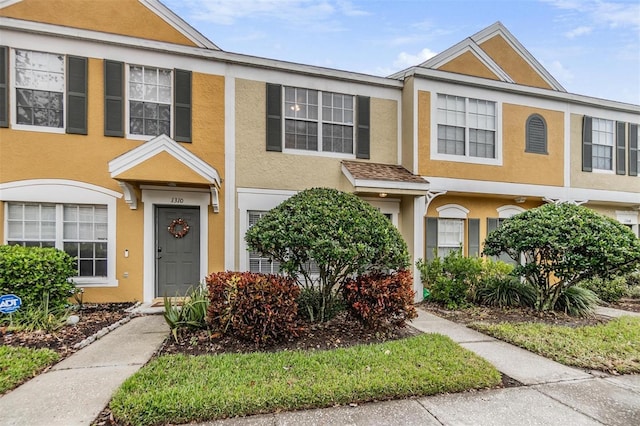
x,y
76,390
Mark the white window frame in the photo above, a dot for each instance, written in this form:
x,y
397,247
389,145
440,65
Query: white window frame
x,y
272,269
631,219
58,191
466,158
127,100
613,147
13,97
452,212
320,121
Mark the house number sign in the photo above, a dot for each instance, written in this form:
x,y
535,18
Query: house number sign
x,y
177,200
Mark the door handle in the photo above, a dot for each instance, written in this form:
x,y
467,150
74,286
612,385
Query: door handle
x,y
159,251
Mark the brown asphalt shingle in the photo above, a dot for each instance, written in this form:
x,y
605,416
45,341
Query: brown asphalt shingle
x,y
377,171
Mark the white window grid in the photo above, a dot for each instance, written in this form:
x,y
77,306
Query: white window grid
x,y
39,89
466,126
309,127
79,230
258,263
450,235
150,99
602,143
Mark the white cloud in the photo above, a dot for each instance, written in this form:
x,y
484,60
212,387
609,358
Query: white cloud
x,y
404,59
616,14
560,72
579,31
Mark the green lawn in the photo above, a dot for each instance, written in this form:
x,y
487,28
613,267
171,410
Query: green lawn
x,y
20,364
180,389
612,347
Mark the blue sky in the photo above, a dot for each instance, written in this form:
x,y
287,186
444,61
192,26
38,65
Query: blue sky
x,y
591,47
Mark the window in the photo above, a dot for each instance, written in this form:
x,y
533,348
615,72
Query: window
x,y
317,121
603,142
466,127
308,126
450,235
536,135
80,230
256,262
40,86
149,101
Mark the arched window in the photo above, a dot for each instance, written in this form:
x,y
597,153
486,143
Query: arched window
x,y
536,135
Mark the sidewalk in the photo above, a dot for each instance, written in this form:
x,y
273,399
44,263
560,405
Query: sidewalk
x,y
76,390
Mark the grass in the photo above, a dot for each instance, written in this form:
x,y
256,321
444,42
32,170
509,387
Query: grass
x,y
20,364
612,347
181,389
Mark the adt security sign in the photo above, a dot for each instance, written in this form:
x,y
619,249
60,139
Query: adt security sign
x,y
9,303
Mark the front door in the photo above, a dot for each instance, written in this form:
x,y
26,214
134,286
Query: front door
x,y
177,250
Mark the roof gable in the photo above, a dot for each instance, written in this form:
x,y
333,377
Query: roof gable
x,y
146,19
497,55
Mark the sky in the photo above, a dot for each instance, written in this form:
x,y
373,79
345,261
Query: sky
x,y
592,47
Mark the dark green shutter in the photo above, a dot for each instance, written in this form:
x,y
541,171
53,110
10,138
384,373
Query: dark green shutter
x,y
536,135
363,149
587,138
113,98
4,90
620,148
182,111
432,237
76,95
274,117
633,150
474,237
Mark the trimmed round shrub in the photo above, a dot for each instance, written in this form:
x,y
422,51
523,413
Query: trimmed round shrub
x,y
506,291
607,290
37,274
255,307
380,300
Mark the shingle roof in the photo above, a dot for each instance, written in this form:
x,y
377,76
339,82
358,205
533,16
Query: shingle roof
x,y
382,172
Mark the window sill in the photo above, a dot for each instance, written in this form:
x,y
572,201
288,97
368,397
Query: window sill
x,y
466,159
319,154
604,172
94,282
42,129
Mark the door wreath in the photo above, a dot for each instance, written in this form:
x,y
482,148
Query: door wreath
x,y
182,231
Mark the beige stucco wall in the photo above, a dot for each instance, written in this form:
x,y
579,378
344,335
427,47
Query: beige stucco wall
x,y
258,168
469,64
595,180
39,155
113,16
513,63
517,166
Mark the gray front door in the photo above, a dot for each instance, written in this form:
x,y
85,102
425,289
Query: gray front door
x,y
177,250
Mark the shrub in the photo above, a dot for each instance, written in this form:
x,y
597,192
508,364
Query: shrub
x,y
310,303
561,245
255,307
32,272
451,280
506,291
43,317
607,290
634,292
577,301
322,236
633,279
380,300
192,314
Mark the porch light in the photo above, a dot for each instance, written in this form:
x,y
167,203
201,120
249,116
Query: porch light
x,y
382,195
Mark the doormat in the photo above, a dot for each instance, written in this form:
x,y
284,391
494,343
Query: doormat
x,y
158,302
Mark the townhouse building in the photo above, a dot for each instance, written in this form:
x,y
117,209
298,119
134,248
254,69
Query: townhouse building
x,y
141,148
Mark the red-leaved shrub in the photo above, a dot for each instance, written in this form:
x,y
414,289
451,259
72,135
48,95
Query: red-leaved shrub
x,y
381,300
256,307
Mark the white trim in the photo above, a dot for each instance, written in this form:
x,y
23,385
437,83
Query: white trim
x,y
461,48
627,217
527,190
259,200
179,24
129,195
156,197
7,3
153,147
505,212
230,172
466,158
390,206
452,211
61,191
419,212
499,29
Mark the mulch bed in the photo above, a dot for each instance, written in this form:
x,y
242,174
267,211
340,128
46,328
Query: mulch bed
x,y
626,304
92,319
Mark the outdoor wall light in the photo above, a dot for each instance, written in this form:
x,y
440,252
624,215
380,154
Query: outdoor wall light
x,y
382,195
126,252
